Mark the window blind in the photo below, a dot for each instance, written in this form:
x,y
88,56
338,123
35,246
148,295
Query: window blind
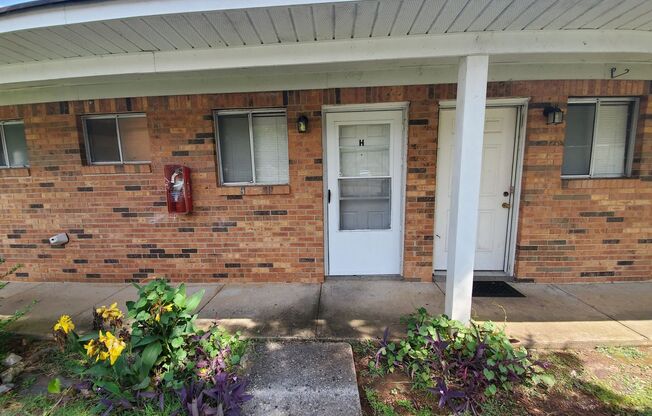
x,y
270,148
611,139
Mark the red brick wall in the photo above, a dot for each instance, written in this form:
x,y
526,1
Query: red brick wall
x,y
120,230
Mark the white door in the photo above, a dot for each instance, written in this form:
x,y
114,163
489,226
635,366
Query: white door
x,y
364,186
495,187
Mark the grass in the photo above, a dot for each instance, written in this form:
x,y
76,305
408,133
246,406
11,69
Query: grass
x,y
377,406
403,406
13,404
502,405
49,405
625,389
623,352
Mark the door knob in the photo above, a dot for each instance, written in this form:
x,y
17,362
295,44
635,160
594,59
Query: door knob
x,y
506,205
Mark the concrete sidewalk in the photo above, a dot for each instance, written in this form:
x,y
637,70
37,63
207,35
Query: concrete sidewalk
x,y
549,315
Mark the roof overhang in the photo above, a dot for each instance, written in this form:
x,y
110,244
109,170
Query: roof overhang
x,y
75,44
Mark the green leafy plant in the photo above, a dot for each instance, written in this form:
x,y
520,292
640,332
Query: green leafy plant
x,y
462,365
164,351
163,324
20,312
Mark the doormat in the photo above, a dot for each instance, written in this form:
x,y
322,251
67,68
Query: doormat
x,y
495,290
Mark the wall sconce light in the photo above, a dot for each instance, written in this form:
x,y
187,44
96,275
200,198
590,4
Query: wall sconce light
x,y
553,114
302,124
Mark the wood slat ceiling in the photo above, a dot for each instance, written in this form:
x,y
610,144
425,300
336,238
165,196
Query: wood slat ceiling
x,y
310,23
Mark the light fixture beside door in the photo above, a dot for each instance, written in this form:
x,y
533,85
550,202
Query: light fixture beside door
x,y
553,114
302,124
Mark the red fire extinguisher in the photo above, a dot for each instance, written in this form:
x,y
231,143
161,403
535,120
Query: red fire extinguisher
x,y
178,189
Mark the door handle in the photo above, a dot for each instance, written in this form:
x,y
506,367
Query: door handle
x,y
506,205
329,196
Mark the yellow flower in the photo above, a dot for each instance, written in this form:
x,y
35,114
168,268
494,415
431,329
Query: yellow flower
x,y
114,345
161,309
92,348
64,324
112,312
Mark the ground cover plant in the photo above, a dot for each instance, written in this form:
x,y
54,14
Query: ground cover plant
x,y
604,381
461,365
161,357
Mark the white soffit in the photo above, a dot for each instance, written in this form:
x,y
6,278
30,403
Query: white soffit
x,y
105,38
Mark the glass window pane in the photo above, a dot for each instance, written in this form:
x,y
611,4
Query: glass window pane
x,y
235,149
579,137
134,138
364,150
611,139
102,140
16,144
270,148
365,204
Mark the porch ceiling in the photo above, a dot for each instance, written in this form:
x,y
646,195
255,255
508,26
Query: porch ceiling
x,y
82,29
73,40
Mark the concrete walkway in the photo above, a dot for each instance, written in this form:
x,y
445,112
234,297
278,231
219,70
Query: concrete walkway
x,y
548,316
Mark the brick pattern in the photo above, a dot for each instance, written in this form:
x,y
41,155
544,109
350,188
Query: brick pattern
x,y
570,230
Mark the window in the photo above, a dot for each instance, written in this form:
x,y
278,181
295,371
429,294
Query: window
x,y
252,147
599,137
13,148
116,139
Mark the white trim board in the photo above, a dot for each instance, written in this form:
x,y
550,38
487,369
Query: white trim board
x,y
212,82
491,102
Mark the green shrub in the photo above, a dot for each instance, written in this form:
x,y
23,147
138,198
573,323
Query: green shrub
x,y
164,324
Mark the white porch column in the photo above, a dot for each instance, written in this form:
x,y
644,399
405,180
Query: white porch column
x,y
467,166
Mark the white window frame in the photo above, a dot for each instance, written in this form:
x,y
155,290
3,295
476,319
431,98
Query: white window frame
x,y
249,113
116,117
3,143
630,139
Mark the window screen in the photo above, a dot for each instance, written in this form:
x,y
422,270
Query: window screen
x,y
117,138
598,136
13,147
253,147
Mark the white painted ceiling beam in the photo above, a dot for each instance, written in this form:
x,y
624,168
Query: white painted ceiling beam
x,y
86,12
337,51
281,78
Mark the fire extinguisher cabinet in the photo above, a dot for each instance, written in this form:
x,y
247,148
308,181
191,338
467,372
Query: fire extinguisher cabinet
x,y
178,190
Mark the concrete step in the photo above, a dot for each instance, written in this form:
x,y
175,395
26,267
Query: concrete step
x,y
302,378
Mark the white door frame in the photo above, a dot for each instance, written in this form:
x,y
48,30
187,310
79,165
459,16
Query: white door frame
x,y
521,105
402,106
